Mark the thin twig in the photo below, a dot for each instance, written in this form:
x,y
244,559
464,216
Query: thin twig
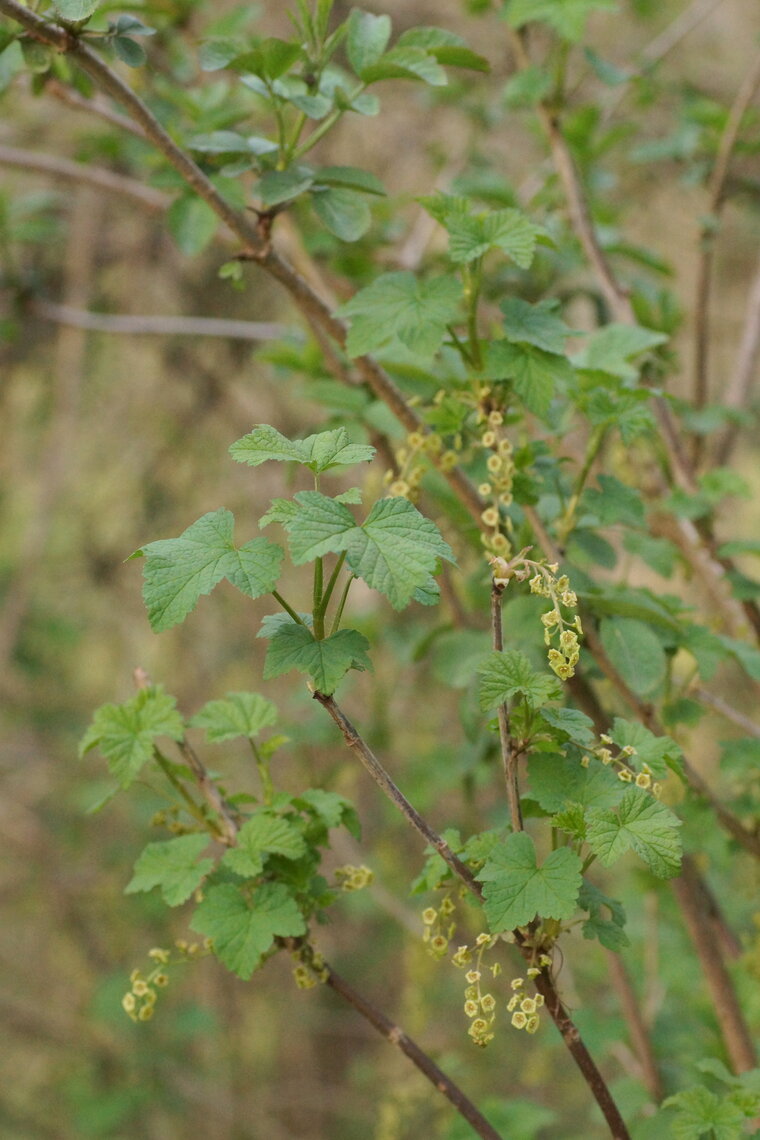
x,y
716,189
728,1011
637,1027
378,773
745,369
153,200
150,325
94,106
508,757
728,711
396,1036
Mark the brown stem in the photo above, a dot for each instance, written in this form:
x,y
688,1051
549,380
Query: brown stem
x,y
716,197
740,719
637,1027
580,1054
543,982
80,172
378,773
740,384
229,820
396,1036
508,757
728,1011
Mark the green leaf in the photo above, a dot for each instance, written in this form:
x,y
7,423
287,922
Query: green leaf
x,y
326,662
349,178
572,722
230,142
614,502
639,823
276,186
566,17
264,834
702,1113
332,809
747,655
538,324
538,376
399,306
76,10
179,570
131,53
472,235
612,348
239,714
318,452
192,223
504,675
658,752
343,212
406,63
395,550
171,865
447,47
556,781
126,733
609,931
527,88
636,652
244,928
217,53
367,39
517,889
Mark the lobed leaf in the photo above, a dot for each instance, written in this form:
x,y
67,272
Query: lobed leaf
x,y
517,890
326,661
172,865
243,928
505,675
238,714
640,824
126,733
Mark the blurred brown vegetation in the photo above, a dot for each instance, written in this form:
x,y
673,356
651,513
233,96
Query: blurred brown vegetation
x,y
110,441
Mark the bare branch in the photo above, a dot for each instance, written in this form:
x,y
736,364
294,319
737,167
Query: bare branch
x,y
158,326
637,1026
745,370
80,172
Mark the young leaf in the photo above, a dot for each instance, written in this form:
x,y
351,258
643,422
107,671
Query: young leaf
x,y
406,63
332,809
319,452
702,1115
367,39
76,10
639,823
610,930
134,55
192,223
537,375
243,929
399,306
179,570
612,349
343,212
326,661
571,722
635,651
566,17
517,889
504,675
658,752
614,502
171,865
125,733
264,834
276,186
395,550
239,714
537,324
349,178
447,47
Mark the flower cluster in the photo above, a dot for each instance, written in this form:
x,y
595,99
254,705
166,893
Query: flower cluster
x,y
351,878
480,1007
560,634
498,487
310,967
140,1000
439,927
521,1005
404,482
621,762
